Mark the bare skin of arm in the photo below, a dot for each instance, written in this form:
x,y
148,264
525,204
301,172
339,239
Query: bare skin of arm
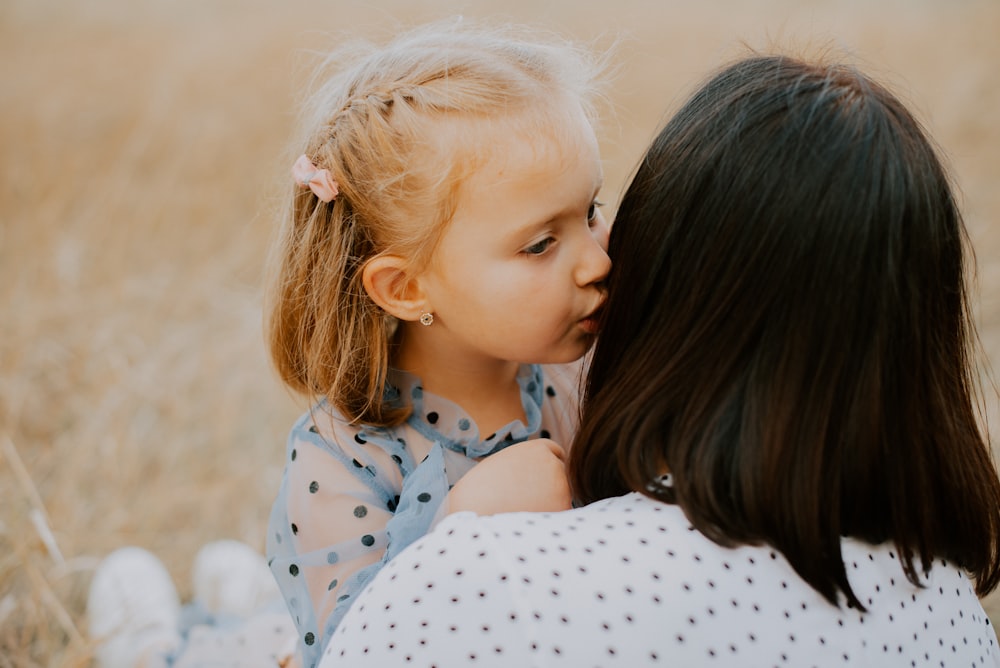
x,y
529,476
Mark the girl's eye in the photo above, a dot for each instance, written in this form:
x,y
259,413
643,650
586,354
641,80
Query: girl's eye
x,y
592,211
539,247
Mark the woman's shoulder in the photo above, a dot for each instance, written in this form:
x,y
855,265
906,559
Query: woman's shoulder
x,y
630,575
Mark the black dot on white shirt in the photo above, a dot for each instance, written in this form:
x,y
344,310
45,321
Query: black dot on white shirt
x,y
590,599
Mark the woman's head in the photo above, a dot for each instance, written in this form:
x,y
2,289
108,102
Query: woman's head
x,y
400,128
787,329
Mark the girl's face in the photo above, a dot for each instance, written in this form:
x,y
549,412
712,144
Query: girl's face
x,y
517,274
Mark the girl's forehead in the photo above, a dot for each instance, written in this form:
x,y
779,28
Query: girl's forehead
x,y
465,157
541,132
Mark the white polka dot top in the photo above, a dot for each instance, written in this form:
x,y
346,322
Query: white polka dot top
x,y
353,496
628,582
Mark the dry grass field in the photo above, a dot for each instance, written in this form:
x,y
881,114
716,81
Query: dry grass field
x,y
142,145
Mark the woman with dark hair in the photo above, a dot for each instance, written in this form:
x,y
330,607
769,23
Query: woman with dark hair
x,y
779,442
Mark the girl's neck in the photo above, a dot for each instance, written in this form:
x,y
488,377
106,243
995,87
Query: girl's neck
x,y
485,388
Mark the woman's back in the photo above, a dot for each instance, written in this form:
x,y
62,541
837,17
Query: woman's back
x,y
628,582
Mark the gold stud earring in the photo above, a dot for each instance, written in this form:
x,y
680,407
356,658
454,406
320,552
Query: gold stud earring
x,y
426,319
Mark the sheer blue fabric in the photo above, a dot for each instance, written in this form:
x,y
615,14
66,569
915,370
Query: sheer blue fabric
x,y
353,496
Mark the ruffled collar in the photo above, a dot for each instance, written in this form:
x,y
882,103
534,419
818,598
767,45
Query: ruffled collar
x,y
442,420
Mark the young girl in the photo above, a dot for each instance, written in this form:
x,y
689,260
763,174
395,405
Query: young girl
x,y
442,241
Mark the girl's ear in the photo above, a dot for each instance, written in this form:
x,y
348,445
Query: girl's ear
x,y
388,282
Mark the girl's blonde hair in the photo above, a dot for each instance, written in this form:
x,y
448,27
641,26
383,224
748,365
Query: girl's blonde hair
x,y
399,127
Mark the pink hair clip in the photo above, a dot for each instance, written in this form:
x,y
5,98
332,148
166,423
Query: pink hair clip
x,y
318,180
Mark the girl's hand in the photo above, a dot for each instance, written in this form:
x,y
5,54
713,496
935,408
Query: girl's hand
x,y
529,476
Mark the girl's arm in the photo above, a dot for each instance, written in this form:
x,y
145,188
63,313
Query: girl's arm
x,y
328,529
529,476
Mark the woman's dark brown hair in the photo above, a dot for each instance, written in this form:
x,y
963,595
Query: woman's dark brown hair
x,y
788,331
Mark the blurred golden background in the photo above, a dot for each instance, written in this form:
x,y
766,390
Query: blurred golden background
x,y
143,147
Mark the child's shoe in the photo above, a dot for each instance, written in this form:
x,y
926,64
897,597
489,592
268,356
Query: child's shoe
x,y
231,578
133,611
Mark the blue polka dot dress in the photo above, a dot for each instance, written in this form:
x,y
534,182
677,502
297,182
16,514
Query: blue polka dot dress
x,y
353,496
627,582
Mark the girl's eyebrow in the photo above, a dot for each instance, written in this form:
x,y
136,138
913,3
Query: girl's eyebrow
x,y
539,224
528,229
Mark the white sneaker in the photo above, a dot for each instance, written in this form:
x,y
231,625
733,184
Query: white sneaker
x,y
133,610
232,578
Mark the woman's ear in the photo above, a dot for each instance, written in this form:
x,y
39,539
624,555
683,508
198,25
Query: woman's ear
x,y
388,281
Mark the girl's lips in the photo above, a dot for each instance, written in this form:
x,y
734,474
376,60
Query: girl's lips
x,y
591,324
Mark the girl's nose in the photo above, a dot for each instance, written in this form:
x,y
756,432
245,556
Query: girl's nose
x,y
594,263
